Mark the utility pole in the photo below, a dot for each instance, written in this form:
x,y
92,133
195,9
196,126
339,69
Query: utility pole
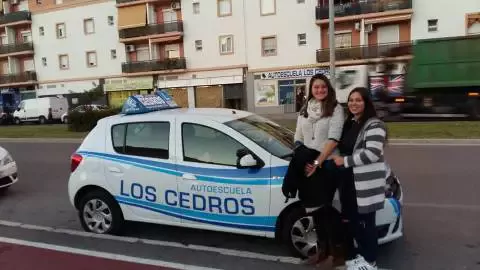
x,y
331,40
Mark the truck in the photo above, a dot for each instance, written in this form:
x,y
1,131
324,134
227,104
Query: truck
x,y
442,79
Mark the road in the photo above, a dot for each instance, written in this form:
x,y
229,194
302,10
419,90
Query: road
x,y
442,216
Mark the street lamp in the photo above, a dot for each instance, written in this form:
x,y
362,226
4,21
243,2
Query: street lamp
x,y
331,40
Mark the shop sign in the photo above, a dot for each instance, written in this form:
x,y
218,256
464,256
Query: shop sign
x,y
293,73
122,84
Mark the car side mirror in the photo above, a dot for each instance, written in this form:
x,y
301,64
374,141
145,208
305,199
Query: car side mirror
x,y
247,161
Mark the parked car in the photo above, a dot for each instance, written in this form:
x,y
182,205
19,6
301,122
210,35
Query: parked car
x,y
214,169
82,109
8,169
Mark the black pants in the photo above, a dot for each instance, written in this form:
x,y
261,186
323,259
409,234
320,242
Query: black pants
x,y
361,227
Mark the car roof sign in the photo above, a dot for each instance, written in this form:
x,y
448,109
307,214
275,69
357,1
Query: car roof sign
x,y
138,104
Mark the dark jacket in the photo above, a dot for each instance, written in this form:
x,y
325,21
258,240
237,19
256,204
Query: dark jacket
x,y
310,189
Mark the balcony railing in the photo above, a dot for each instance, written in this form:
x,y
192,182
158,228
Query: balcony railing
x,y
366,52
15,17
16,47
356,8
18,78
151,29
154,65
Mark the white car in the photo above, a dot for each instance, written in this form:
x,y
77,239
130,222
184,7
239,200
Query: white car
x,y
8,169
214,169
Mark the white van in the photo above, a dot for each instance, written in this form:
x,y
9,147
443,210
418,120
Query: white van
x,y
40,110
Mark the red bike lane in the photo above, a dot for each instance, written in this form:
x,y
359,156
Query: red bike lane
x,y
22,257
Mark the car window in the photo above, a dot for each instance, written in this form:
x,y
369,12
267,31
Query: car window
x,y
142,139
207,145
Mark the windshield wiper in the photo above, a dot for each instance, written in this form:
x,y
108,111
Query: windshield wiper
x,y
287,155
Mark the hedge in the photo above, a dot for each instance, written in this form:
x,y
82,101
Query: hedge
x,y
86,121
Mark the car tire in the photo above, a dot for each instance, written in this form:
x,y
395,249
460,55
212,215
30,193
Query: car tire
x,y
113,220
292,218
17,121
42,120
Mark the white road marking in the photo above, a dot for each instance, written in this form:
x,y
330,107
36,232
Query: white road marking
x,y
222,251
443,206
103,255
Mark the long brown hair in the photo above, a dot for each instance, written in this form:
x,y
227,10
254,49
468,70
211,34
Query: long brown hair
x,y
330,102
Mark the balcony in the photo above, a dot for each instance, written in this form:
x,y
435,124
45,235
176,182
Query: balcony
x,y
23,77
151,29
15,17
366,52
154,65
16,47
356,8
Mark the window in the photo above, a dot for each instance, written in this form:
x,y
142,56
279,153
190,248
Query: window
x,y
343,40
302,39
110,20
172,51
207,145
196,8
198,45
269,46
432,25
113,54
39,2
61,30
91,59
88,26
26,36
270,136
300,1
226,44
224,8
63,61
267,7
58,2
142,139
41,31
44,61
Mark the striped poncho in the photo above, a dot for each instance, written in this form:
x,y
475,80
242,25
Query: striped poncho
x,y
369,168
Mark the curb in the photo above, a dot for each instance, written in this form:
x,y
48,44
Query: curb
x,y
471,142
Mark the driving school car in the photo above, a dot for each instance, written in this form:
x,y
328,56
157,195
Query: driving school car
x,y
8,170
214,169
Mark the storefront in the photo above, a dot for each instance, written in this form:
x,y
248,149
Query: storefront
x,y
279,91
207,89
119,89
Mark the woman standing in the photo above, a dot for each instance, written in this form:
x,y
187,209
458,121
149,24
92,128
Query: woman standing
x,y
319,128
362,178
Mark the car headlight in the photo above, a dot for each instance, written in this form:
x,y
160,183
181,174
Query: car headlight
x,y
6,160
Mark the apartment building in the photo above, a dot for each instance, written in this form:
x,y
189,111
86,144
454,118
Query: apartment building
x,y
152,33
447,19
76,45
281,42
18,77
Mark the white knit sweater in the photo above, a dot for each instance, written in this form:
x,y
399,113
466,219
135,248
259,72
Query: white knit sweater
x,y
315,135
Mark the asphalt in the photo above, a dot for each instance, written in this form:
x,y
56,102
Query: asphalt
x,y
442,214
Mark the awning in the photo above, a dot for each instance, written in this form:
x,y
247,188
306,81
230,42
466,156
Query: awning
x,y
132,16
389,19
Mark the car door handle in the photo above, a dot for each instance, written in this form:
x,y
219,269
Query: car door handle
x,y
115,170
189,176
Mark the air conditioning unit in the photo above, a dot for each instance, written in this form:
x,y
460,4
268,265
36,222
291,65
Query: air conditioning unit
x,y
175,5
14,2
357,26
130,48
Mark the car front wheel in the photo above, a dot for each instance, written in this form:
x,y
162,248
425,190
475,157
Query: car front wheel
x,y
100,213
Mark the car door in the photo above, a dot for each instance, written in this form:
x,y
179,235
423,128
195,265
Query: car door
x,y
212,192
141,168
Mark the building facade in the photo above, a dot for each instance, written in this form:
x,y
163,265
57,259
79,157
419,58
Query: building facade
x,y
76,46
447,19
18,77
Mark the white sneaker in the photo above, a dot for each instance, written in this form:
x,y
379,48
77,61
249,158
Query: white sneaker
x,y
364,265
351,264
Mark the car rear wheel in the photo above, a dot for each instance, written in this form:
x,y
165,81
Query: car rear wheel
x,y
100,213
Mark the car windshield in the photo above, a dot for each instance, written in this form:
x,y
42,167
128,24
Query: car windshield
x,y
267,134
